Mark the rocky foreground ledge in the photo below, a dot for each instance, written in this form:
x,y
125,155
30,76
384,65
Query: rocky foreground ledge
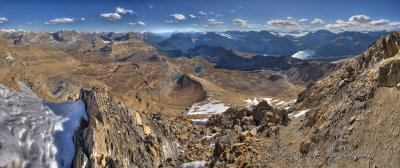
x,y
117,136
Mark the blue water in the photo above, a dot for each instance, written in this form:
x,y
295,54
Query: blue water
x,y
305,54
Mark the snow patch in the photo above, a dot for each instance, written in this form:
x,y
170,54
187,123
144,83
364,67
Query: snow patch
x,y
209,136
201,121
295,35
213,107
106,42
33,135
226,35
273,102
300,113
236,37
194,164
255,101
9,56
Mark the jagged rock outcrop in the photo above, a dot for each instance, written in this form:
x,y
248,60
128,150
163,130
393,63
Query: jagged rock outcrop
x,y
117,136
227,138
240,128
357,108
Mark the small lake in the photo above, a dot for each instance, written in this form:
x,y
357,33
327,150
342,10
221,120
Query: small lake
x,y
305,54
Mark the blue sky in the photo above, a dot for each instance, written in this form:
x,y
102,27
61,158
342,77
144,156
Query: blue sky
x,y
199,15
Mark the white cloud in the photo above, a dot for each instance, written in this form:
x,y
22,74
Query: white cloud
x,y
46,23
289,17
140,23
360,19
280,22
214,21
82,19
232,11
170,21
202,13
192,16
380,22
111,16
317,21
302,20
124,11
363,23
3,19
151,6
242,22
178,16
238,21
62,20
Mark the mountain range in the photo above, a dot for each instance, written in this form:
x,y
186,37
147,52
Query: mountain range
x,y
327,45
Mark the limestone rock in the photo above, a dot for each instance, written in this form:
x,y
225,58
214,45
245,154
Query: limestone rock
x,y
304,146
110,139
146,130
138,119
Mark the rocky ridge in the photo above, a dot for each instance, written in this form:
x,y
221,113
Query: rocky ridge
x,y
117,136
356,107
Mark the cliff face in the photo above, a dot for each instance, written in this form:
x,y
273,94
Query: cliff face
x,y
117,136
357,107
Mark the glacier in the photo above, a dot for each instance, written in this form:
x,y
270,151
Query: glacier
x,y
35,133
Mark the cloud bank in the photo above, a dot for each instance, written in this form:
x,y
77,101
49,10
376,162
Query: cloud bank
x,y
363,23
214,21
317,21
3,19
64,20
280,22
140,23
242,22
302,20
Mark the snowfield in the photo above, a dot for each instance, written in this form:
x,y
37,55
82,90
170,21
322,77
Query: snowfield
x,y
34,133
213,107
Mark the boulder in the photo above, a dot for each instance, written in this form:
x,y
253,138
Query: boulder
x,y
222,144
138,119
305,146
260,110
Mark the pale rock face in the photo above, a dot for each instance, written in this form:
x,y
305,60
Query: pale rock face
x,y
115,132
360,96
